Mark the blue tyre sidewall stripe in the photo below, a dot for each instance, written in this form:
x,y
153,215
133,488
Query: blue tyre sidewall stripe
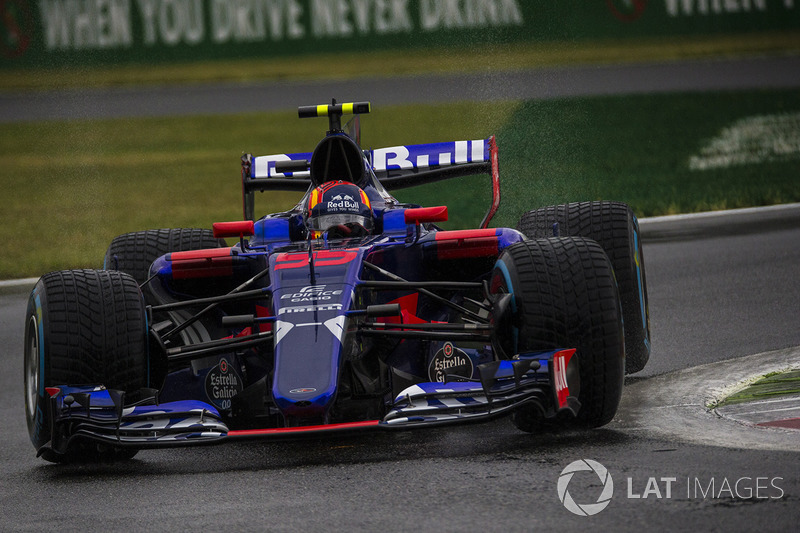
x,y
500,265
639,281
40,331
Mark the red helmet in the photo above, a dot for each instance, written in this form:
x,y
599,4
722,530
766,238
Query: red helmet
x,y
340,208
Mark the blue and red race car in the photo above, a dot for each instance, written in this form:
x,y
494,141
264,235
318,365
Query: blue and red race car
x,y
350,312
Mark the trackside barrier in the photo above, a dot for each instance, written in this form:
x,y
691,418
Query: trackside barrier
x,y
66,33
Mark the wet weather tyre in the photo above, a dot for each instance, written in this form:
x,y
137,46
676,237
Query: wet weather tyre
x,y
82,327
615,227
564,296
135,252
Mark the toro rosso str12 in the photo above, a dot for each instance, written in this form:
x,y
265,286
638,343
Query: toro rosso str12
x,y
350,312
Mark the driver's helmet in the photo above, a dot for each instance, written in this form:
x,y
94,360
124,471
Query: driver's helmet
x,y
339,208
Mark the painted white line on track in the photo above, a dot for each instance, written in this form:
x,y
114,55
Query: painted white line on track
x,y
759,418
760,411
762,402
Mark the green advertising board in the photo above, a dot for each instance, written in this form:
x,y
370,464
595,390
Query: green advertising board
x,y
36,33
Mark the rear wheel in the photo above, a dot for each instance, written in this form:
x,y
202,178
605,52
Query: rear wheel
x,y
564,296
82,327
615,227
135,252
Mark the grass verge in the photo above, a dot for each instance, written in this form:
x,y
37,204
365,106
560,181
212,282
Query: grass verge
x,y
768,387
637,149
72,186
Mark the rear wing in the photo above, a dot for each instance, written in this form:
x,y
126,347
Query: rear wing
x,y
395,167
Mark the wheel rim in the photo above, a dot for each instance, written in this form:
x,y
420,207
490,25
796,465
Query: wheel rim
x,y
32,368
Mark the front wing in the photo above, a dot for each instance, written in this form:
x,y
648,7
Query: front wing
x,y
545,381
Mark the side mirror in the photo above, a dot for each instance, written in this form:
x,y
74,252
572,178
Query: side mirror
x,y
239,229
421,215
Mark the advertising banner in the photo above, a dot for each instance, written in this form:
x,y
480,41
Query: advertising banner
x,y
35,33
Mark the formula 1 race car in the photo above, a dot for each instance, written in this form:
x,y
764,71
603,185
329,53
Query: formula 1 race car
x,y
350,312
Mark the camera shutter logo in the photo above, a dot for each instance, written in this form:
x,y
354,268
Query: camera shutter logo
x,y
586,509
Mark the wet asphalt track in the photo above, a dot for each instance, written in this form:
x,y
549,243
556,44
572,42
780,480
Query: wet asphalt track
x,y
730,292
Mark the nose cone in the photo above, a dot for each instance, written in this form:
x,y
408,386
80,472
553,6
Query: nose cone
x,y
310,329
308,354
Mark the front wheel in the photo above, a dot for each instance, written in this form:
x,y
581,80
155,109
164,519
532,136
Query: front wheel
x,y
614,226
564,296
82,327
